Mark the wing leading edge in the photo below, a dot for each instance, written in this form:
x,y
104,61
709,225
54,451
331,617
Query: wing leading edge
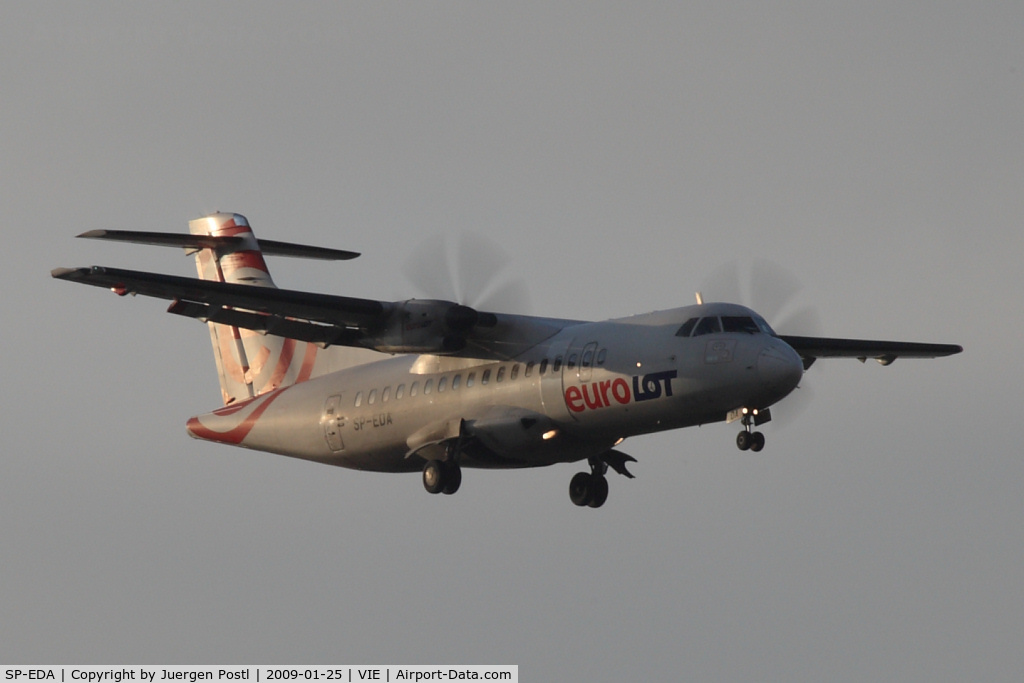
x,y
885,352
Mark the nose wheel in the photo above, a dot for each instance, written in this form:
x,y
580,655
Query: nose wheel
x,y
750,441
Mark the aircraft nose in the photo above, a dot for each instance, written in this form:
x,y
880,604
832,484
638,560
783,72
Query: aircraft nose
x,y
780,367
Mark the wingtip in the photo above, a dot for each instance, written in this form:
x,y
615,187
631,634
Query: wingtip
x,y
63,273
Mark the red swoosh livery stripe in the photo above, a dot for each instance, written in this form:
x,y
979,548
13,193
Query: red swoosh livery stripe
x,y
238,433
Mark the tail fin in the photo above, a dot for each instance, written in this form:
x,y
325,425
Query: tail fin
x,y
249,364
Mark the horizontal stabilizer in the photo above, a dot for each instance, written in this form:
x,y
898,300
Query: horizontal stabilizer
x,y
185,241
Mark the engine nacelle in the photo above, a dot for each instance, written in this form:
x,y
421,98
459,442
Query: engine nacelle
x,y
428,326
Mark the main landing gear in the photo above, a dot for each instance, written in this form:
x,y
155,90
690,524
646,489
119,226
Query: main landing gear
x,y
590,489
442,476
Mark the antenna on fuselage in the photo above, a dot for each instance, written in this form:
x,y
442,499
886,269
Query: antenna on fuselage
x,y
700,299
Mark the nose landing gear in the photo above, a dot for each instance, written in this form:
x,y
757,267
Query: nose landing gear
x,y
749,440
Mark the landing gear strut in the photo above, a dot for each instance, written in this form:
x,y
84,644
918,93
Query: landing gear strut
x,y
590,488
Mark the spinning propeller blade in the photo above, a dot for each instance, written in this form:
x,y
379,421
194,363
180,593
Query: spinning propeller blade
x,y
773,292
467,270
767,288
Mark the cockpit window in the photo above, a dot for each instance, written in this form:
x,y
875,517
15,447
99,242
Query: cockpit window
x,y
708,325
739,323
687,328
765,327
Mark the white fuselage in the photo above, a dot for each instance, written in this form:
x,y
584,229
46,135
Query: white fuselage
x,y
585,388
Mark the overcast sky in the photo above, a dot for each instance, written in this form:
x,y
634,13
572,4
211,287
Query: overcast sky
x,y
619,153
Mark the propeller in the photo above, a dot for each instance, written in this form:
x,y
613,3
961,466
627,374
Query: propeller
x,y
470,270
775,293
767,288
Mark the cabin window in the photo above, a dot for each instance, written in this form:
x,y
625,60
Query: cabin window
x,y
386,395
687,327
486,377
400,391
543,366
501,374
588,358
455,382
470,379
515,372
572,361
709,325
557,364
372,398
529,369
428,386
359,398
602,355
414,389
442,384
739,323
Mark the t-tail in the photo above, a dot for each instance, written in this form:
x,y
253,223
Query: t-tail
x,y
249,363
250,360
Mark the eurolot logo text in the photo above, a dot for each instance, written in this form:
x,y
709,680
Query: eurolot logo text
x,y
601,394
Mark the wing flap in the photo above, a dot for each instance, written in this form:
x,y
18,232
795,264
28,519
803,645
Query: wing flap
x,y
884,352
319,334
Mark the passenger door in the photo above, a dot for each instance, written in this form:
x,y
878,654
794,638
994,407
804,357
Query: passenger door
x,y
333,422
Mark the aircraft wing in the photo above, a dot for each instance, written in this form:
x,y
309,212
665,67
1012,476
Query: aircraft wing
x,y
885,352
414,326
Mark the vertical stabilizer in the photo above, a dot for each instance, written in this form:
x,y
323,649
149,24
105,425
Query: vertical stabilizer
x,y
249,364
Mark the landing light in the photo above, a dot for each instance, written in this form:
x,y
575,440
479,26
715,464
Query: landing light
x,y
548,435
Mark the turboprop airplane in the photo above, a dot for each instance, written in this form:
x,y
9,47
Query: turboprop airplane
x,y
437,386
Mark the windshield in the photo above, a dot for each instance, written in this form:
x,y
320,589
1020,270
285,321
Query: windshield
x,y
746,324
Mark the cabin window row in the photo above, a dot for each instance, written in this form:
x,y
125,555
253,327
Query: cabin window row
x,y
512,373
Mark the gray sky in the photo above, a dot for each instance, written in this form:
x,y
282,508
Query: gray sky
x,y
619,154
